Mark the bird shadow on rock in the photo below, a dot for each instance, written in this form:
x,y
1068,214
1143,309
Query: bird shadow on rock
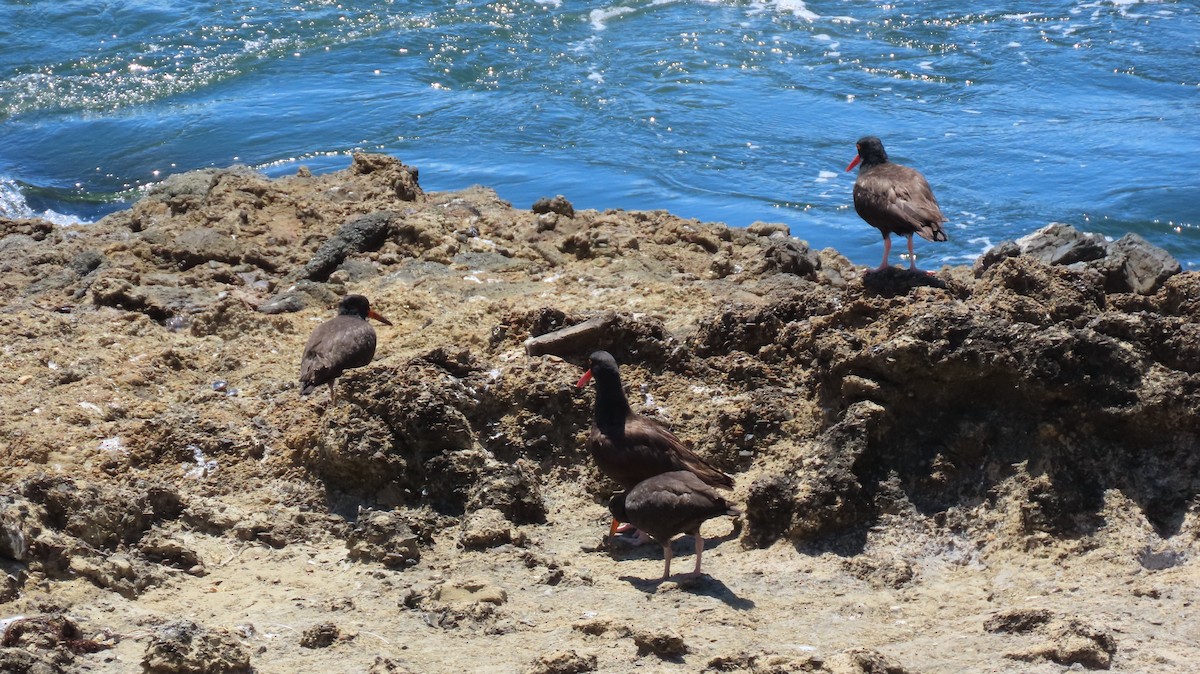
x,y
683,547
895,281
703,584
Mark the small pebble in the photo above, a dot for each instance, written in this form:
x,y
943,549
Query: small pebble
x,y
177,323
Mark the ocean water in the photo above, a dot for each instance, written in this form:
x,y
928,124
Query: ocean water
x,y
1019,114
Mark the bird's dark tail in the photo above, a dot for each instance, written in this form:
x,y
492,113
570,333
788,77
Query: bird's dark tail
x,y
932,231
711,475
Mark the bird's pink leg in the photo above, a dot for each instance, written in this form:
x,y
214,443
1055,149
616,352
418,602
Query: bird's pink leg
x,y
699,551
912,258
887,250
666,561
332,392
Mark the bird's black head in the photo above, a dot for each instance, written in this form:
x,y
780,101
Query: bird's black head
x,y
603,365
611,405
616,506
354,305
357,305
871,150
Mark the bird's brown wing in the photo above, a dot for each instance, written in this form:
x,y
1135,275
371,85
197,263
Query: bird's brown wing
x,y
898,199
659,448
336,345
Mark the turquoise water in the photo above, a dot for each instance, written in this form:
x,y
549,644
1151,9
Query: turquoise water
x,y
1019,114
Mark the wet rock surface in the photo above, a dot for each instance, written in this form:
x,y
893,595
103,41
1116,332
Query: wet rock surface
x,y
1128,265
362,234
912,452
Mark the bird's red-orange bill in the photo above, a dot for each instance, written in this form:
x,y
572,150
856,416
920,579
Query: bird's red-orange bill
x,y
854,162
587,376
375,314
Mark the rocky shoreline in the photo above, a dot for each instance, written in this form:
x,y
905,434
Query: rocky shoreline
x,y
988,469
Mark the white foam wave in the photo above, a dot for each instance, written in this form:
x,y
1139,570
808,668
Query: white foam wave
x,y
13,205
798,8
600,17
585,46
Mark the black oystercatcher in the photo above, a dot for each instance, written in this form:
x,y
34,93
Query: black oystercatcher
x,y
669,504
342,342
630,448
894,199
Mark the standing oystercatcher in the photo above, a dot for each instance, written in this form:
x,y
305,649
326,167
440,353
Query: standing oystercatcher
x,y
894,199
669,504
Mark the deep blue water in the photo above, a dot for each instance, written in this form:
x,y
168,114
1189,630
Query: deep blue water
x,y
1019,114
